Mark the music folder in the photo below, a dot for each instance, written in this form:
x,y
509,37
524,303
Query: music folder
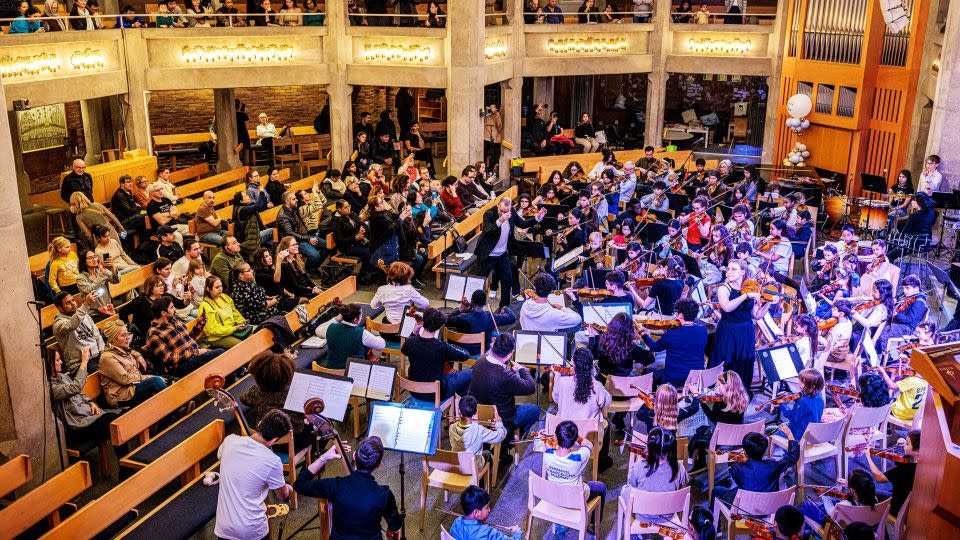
x,y
543,348
371,380
408,322
567,258
460,286
414,430
333,389
602,314
781,362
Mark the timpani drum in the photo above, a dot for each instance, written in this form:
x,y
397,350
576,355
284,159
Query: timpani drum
x,y
873,214
835,207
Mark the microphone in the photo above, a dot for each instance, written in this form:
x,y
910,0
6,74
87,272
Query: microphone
x,y
36,303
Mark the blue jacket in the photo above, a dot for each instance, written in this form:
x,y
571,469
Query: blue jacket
x,y
764,475
474,322
471,529
805,410
23,25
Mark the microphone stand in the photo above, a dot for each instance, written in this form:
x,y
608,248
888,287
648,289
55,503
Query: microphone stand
x,y
38,307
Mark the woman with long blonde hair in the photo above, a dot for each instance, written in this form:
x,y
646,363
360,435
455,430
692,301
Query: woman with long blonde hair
x,y
293,275
668,410
735,400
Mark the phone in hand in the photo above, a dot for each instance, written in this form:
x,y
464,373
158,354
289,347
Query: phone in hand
x,y
283,254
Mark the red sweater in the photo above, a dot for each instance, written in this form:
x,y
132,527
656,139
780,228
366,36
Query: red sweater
x,y
452,203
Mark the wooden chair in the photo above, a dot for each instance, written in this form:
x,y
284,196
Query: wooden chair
x,y
457,338
487,413
868,423
588,428
898,524
726,435
845,514
444,535
355,401
750,503
820,441
393,347
427,388
290,457
450,471
560,504
620,387
674,504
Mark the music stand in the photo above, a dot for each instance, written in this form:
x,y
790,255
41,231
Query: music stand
x,y
677,201
873,183
781,362
943,278
690,264
945,201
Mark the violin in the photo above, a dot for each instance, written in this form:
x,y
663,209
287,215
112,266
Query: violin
x,y
653,324
903,306
736,456
899,370
549,441
646,282
827,324
785,340
759,527
895,453
592,293
638,449
644,396
768,292
560,370
709,397
775,402
837,491
843,391
867,305
663,530
768,244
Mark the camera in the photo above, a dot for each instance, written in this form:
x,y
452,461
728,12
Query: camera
x,y
21,104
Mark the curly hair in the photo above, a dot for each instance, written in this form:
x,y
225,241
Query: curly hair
x,y
583,375
272,371
873,391
399,273
616,344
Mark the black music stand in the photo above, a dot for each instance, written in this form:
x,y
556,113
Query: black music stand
x,y
945,201
689,263
677,201
948,284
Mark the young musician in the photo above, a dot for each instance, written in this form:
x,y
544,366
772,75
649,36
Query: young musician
x,y
583,396
429,356
664,292
735,400
659,471
617,349
497,380
743,252
918,228
902,474
801,234
700,524
787,212
474,317
346,338
718,253
539,314
469,435
740,224
825,267
910,310
805,327
877,311
248,470
684,346
565,463
672,241
497,241
698,176
614,282
359,502
621,233
848,242
598,199
475,503
788,522
757,473
574,235
657,200
862,489
774,252
634,265
698,224
593,256
809,408
880,267
900,205
668,410
734,342
836,346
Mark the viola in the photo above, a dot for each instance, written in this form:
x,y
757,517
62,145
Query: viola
x,y
594,326
827,324
843,391
644,396
894,453
653,324
759,527
785,340
775,402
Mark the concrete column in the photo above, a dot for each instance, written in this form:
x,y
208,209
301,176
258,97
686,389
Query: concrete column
x,y
338,53
511,91
465,83
770,120
942,139
657,79
23,180
26,420
97,126
225,115
136,127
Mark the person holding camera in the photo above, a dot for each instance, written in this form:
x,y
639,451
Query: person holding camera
x,y
95,275
492,135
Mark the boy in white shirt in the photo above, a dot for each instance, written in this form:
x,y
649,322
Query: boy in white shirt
x,y
538,314
248,469
565,463
468,435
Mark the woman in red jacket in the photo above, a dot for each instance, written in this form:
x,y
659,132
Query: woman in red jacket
x,y
450,199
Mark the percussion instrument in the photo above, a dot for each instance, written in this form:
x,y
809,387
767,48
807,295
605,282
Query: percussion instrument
x,y
873,214
836,207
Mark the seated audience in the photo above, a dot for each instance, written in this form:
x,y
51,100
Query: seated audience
x,y
82,417
249,298
122,370
224,326
170,342
75,331
63,268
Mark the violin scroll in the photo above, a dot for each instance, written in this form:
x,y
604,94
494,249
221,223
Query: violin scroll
x,y
213,381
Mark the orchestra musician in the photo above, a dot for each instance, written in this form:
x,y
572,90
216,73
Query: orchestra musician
x,y
774,252
718,253
633,211
628,183
880,267
848,242
583,396
903,186
664,292
726,173
836,346
648,160
598,199
607,161
918,228
713,187
574,235
634,265
683,346
667,413
658,471
750,182
825,267
788,210
799,413
756,473
548,195
538,314
346,338
618,350
861,489
473,317
838,288
621,233
902,474
740,224
736,195
800,234
851,263
498,240
743,252
657,200
735,400
359,501
475,503
573,172
672,241
591,220
698,223
734,341
698,176
908,313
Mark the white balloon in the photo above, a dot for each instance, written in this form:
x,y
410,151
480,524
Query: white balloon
x,y
801,147
799,105
795,158
805,154
804,124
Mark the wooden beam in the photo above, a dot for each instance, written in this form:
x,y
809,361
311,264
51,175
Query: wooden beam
x,y
45,500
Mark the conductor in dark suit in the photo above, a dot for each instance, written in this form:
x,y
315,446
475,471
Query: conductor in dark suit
x,y
497,241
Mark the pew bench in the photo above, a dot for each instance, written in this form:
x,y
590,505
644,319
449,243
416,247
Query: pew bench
x,y
15,473
45,501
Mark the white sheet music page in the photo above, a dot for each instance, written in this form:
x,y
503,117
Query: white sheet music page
x,y
473,284
381,382
526,352
783,362
456,285
384,423
334,392
552,355
360,373
602,314
416,430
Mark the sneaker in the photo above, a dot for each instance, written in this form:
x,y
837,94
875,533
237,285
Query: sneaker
x,y
417,284
492,294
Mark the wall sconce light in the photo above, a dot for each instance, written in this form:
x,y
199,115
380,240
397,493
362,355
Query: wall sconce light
x,y
935,66
392,53
240,54
29,65
87,60
495,51
587,45
708,45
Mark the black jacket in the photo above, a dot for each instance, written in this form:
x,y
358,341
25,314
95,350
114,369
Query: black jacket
x,y
494,384
382,151
490,232
291,224
359,503
345,231
74,182
382,225
124,205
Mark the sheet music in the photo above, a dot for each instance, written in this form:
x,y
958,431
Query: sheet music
x,y
404,429
407,324
783,362
552,355
771,326
360,373
602,314
335,392
567,258
526,351
474,284
380,386
461,286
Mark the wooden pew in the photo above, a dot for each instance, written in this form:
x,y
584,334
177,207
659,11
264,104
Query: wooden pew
x,y
213,183
15,473
190,173
183,462
189,139
137,421
465,228
44,501
547,164
39,261
223,195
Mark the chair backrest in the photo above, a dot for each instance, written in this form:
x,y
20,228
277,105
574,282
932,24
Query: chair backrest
x,y
732,434
621,386
846,514
486,412
900,524
382,327
320,369
464,463
444,535
661,503
459,338
863,417
705,378
762,504
587,427
822,432
421,388
564,496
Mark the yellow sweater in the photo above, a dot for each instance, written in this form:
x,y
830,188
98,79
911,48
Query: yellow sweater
x,y
64,272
